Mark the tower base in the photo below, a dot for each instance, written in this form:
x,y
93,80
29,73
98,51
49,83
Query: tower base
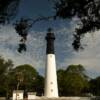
x,y
51,87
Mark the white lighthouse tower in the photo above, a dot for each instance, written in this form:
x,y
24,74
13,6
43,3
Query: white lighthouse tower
x,y
51,87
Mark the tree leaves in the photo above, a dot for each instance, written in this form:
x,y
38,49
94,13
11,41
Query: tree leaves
x,y
95,86
72,81
8,9
5,69
88,11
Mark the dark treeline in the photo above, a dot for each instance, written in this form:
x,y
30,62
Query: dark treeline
x,y
22,77
72,81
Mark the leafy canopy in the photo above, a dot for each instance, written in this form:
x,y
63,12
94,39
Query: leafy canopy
x,y
5,68
8,9
87,11
72,81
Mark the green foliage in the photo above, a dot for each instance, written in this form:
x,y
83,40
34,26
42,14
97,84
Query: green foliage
x,y
60,78
25,74
27,78
95,86
77,69
27,69
74,84
23,77
71,81
5,69
39,85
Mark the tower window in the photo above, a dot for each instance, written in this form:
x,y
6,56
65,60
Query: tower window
x,y
51,90
51,82
51,56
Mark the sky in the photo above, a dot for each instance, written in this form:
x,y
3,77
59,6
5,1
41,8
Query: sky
x,y
36,44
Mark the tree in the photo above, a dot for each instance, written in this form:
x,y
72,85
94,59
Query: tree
x,y
74,84
39,85
77,69
87,11
26,78
60,79
95,86
8,9
25,75
5,69
71,82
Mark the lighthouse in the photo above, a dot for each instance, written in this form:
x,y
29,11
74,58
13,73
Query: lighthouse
x,y
51,87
